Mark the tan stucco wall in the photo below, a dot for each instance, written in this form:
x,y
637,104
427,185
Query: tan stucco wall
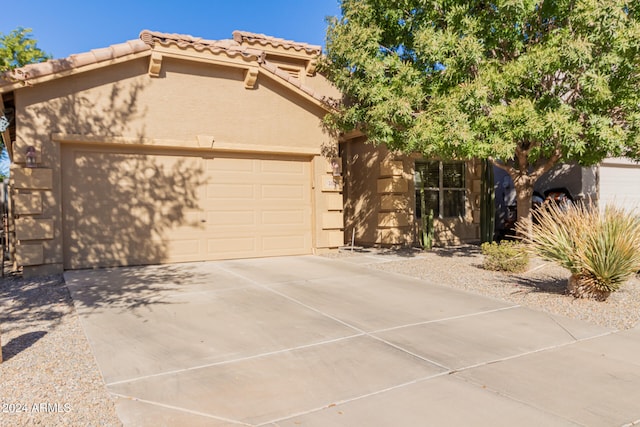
x,y
190,106
380,199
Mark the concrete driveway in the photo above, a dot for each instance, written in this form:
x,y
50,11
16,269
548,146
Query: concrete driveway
x,y
311,341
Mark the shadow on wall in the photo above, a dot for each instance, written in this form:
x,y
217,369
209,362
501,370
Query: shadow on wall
x,y
121,204
363,202
358,207
128,208
92,104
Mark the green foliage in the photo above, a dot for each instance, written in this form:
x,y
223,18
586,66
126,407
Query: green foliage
x,y
601,250
523,83
505,256
19,48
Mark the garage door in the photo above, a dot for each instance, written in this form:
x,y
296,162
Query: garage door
x,y
127,208
620,183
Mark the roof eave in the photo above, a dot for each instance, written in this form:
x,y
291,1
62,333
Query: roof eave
x,y
30,81
304,94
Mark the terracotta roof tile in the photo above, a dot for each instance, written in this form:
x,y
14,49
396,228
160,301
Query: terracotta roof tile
x,y
230,47
240,36
74,61
149,38
81,59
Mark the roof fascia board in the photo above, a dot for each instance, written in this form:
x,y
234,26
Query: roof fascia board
x,y
282,53
295,89
207,56
249,65
71,71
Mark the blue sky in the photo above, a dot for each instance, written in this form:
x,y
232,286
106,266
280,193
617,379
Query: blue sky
x,y
63,28
66,27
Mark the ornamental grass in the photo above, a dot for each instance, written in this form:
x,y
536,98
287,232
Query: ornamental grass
x,y
600,249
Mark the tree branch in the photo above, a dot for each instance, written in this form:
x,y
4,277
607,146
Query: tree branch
x,y
541,170
508,169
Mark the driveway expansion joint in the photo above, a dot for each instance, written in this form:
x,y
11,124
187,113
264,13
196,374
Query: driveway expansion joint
x,y
180,409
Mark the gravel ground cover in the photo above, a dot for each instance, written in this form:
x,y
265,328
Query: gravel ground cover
x,y
542,287
49,376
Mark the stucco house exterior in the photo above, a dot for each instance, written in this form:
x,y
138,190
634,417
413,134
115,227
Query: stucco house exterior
x,y
173,148
381,201
170,148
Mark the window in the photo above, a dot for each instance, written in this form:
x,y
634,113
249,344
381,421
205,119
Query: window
x,y
444,186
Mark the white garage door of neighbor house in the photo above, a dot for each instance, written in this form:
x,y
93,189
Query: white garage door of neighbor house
x,y
131,207
620,183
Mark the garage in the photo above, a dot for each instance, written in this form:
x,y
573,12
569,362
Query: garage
x,y
171,148
620,183
132,206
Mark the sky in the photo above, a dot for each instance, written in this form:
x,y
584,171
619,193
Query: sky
x,y
66,27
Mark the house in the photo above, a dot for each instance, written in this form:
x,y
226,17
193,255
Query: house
x,y
381,191
619,183
170,148
381,196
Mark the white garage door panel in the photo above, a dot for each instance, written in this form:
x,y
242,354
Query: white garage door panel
x,y
620,184
284,218
230,191
131,208
234,247
257,207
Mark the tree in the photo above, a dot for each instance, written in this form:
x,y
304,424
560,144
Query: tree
x,y
523,83
19,48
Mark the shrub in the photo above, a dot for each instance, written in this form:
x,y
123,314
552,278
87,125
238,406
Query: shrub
x,y
601,250
506,256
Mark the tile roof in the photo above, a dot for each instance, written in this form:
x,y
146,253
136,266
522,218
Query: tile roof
x,y
233,47
240,36
230,47
148,39
31,71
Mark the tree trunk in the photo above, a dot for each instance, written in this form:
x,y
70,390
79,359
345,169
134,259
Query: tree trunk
x,y
523,185
523,180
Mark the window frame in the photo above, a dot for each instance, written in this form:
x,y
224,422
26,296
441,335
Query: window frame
x,y
441,189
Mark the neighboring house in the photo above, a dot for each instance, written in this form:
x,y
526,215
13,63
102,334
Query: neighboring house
x,y
619,183
171,148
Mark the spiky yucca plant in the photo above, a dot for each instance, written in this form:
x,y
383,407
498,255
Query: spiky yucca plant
x,y
601,250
